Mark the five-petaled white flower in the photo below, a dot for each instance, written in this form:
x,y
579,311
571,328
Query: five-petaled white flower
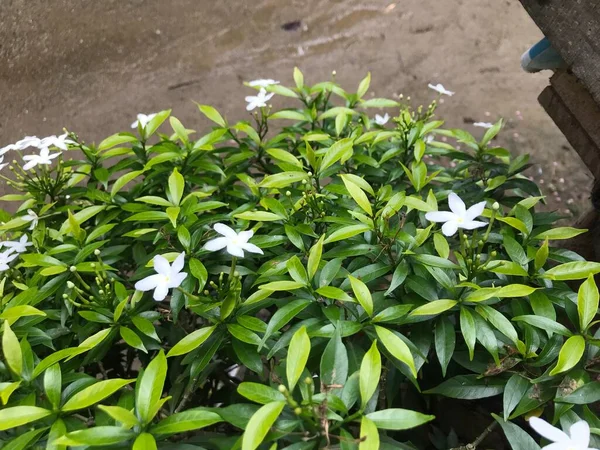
x,y
459,217
32,217
167,277
58,141
2,163
6,257
8,148
44,158
236,243
441,89
382,120
19,246
483,124
28,141
143,119
257,101
579,432
263,82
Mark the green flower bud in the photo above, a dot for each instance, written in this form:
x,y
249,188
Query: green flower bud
x,y
308,380
310,174
496,206
281,388
494,254
70,284
73,269
93,265
288,193
97,252
298,411
65,296
206,292
101,292
236,274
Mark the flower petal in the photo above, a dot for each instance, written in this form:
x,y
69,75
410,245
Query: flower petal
x,y
178,263
450,228
161,265
580,434
216,244
251,248
177,279
244,236
148,283
235,250
225,230
475,211
160,292
457,206
440,216
472,224
546,430
31,164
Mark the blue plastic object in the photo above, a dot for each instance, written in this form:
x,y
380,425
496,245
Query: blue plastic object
x,y
542,57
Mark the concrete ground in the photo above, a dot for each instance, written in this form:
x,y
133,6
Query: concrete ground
x,y
91,66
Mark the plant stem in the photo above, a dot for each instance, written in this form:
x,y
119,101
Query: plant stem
x,y
473,445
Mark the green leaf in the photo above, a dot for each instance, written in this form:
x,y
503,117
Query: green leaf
x,y
120,414
370,373
362,294
469,387
560,233
369,435
434,261
541,256
379,103
132,339
80,217
290,114
123,180
396,347
25,440
516,436
398,419
569,355
441,245
212,114
587,394
199,272
156,122
445,341
334,293
191,341
12,350
57,430
179,129
515,223
258,216
116,139
96,436
398,277
283,179
55,357
260,423
433,308
334,364
358,195
259,393
53,384
6,390
150,387
341,149
297,270
285,157
587,302
467,327
144,441
298,78
543,323
94,393
347,232
282,286
497,319
176,187
363,86
314,257
145,326
95,339
575,270
516,387
282,316
506,268
186,421
20,415
298,352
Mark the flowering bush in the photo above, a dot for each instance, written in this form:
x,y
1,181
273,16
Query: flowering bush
x,y
311,280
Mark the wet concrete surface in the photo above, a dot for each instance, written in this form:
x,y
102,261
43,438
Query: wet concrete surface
x,y
91,66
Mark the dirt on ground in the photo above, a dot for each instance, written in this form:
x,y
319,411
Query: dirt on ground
x,y
91,66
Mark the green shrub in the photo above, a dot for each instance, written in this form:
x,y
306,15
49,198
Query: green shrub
x,y
294,287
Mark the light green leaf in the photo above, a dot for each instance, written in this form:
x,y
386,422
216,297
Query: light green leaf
x,y
212,114
587,302
369,435
433,308
363,86
123,180
543,323
260,423
398,419
560,233
370,373
94,394
575,270
346,232
286,157
116,139
334,293
186,421
20,415
314,257
396,347
150,387
283,179
80,217
179,129
341,149
132,339
569,355
259,393
144,441
102,435
95,339
258,216
358,195
53,384
362,294
297,270
282,286
298,352
441,245
191,341
120,414
12,350
467,326
12,314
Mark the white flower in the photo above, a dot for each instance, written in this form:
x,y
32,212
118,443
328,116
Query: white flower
x,y
28,141
32,217
143,119
483,124
58,141
19,246
460,217
2,163
429,138
579,438
5,258
382,120
262,83
236,243
259,100
167,277
7,148
44,158
441,89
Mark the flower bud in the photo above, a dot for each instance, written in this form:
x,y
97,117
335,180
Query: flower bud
x,y
310,174
496,206
281,388
288,193
303,181
97,252
93,265
298,411
101,292
308,380
206,292
73,269
70,284
236,274
65,296
494,254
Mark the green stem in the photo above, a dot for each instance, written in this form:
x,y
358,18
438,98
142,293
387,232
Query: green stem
x,y
232,270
